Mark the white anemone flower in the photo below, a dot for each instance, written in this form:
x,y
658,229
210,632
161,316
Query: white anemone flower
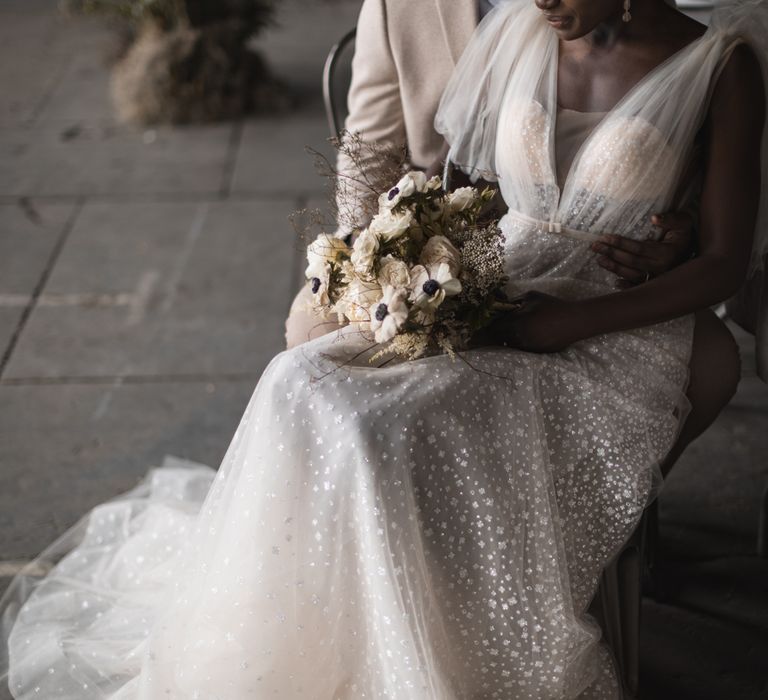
x,y
319,276
432,284
410,183
389,314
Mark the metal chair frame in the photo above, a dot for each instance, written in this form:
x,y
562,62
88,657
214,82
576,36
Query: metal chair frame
x,y
335,120
619,593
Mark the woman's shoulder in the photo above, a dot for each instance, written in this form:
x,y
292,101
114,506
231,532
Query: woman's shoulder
x,y
737,107
740,81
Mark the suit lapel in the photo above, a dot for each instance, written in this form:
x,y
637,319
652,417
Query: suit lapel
x,y
458,19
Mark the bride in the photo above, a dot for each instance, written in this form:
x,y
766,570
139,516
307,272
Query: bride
x,y
435,530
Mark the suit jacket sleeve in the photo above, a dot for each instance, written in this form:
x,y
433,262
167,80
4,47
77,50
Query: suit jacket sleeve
x,y
375,112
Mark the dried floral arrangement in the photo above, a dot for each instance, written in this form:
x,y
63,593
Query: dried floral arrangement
x,y
189,60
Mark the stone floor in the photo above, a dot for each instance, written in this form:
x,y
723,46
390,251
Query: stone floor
x,y
144,279
144,274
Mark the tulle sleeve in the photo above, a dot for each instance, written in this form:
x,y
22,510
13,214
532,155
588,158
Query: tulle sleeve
x,y
468,113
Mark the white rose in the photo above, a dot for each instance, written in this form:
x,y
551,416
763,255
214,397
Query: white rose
x,y
439,249
462,199
324,249
394,272
410,183
357,300
364,252
389,225
434,183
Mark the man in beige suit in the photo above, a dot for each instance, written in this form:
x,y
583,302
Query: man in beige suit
x,y
405,53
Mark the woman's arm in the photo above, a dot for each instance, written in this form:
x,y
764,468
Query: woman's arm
x,y
729,205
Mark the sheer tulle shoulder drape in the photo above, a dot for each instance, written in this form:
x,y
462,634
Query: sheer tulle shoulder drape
x,y
635,158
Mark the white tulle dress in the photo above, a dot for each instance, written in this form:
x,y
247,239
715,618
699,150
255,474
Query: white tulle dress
x,y
431,530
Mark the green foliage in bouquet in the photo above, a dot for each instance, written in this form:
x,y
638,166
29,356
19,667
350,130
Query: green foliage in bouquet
x,y
422,277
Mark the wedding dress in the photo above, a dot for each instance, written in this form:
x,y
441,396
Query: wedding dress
x,y
427,530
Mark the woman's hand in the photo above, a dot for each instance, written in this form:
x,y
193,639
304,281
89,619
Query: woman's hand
x,y
543,324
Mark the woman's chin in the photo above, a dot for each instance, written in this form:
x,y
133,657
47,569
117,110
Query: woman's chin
x,y
566,28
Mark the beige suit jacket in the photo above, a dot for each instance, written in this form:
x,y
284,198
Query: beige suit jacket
x,y
398,75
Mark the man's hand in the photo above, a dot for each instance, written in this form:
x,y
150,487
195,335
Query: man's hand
x,y
635,262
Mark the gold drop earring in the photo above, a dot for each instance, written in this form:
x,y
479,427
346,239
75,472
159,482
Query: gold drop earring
x,y
627,16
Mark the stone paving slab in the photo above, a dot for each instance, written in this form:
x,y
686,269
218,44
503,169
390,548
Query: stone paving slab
x,y
164,289
29,231
66,448
273,159
28,234
22,93
81,94
9,322
40,28
303,34
272,156
45,43
102,159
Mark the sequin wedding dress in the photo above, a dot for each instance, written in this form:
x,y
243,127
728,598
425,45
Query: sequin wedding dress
x,y
431,530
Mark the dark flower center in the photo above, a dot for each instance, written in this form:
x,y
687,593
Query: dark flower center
x,y
315,284
431,287
393,193
381,312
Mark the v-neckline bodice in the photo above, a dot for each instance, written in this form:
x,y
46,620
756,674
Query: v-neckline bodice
x,y
572,129
607,115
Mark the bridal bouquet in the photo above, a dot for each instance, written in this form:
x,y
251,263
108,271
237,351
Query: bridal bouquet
x,y
422,277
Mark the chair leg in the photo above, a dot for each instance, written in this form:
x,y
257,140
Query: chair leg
x,y
650,540
650,553
762,531
620,601
610,604
629,575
